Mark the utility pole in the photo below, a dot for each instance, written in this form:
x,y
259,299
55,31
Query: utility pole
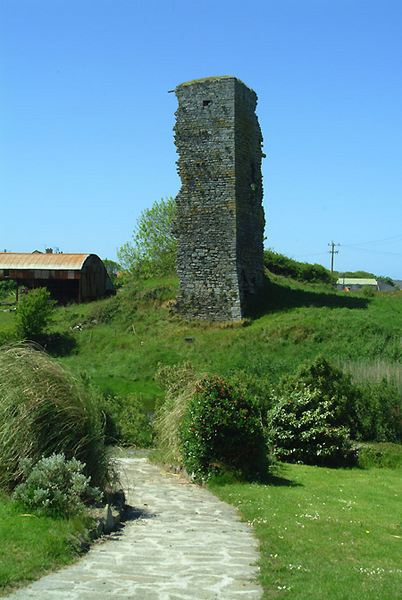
x,y
332,252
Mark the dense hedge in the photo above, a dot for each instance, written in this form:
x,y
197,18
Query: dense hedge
x,y
282,265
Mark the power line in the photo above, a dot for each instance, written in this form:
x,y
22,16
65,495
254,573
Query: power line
x,y
394,237
370,251
312,254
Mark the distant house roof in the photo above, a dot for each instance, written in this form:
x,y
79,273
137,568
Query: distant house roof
x,y
356,281
39,260
385,287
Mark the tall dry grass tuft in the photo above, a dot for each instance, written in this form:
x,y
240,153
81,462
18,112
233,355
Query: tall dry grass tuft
x,y
43,409
179,382
374,371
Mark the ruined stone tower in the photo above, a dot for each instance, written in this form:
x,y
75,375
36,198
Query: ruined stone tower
x,y
219,219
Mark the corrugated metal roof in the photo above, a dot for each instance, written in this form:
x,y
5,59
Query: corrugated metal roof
x,y
38,260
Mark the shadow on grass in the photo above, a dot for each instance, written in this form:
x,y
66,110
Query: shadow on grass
x,y
275,297
278,481
57,344
266,477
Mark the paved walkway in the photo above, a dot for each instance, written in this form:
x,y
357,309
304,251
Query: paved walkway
x,y
183,543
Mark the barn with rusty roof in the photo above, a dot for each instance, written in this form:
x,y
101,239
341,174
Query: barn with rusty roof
x,y
68,277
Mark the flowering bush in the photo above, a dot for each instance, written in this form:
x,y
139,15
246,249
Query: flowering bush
x,y
370,411
222,429
330,381
303,428
55,486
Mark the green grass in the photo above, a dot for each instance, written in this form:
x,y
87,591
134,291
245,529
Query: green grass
x,y
324,533
32,546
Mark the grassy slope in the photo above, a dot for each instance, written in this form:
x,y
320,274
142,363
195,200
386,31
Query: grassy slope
x,y
295,322
120,348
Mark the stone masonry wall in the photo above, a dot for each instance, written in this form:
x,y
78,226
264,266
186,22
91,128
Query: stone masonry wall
x,y
219,220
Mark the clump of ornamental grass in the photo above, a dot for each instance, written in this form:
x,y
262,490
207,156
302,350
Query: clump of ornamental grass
x,y
44,410
178,382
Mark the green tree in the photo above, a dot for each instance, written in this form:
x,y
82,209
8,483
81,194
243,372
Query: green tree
x,y
152,251
34,312
385,279
112,268
359,274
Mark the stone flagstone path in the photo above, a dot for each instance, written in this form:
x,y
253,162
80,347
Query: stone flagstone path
x,y
183,544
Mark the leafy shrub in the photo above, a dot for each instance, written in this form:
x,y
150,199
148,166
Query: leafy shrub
x,y
34,311
6,287
44,410
156,295
55,486
222,429
368,291
331,383
303,427
8,335
257,387
126,422
103,311
378,412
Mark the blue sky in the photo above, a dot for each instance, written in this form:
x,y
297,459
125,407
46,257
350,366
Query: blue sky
x,y
86,140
